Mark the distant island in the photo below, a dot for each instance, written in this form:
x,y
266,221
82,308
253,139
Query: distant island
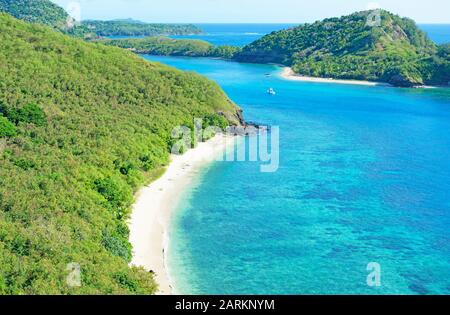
x,y
137,28
164,46
396,51
47,13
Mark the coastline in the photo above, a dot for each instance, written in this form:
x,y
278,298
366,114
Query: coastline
x,y
150,219
289,74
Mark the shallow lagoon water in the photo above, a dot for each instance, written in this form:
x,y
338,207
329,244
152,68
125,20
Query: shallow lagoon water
x,y
364,177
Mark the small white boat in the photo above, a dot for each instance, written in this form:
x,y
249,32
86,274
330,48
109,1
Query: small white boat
x,y
271,91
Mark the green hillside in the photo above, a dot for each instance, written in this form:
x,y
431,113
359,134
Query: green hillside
x,y
82,127
436,68
35,11
349,48
165,46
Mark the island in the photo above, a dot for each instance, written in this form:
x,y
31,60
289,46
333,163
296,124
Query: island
x,y
164,46
47,13
392,50
349,48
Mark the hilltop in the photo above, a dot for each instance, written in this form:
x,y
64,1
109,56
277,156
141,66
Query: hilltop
x,y
36,11
352,47
83,126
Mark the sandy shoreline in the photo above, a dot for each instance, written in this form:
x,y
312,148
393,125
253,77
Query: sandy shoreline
x,y
289,74
151,214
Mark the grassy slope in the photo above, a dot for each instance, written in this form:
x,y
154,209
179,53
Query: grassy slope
x,y
66,185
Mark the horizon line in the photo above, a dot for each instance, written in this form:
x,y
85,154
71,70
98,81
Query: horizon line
x,y
243,23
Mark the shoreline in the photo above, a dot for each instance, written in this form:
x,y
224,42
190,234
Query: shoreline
x,y
289,74
150,219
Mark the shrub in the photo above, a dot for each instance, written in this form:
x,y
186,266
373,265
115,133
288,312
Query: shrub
x,y
117,245
7,129
116,192
24,164
30,113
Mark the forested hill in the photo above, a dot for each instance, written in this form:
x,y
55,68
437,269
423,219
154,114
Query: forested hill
x,y
35,11
82,127
349,47
164,46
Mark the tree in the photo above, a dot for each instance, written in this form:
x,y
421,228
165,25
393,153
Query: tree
x,y
7,129
30,113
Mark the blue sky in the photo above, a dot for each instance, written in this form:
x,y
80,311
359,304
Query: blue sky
x,y
254,11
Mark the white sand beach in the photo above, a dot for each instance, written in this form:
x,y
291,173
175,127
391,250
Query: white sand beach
x,y
289,74
151,214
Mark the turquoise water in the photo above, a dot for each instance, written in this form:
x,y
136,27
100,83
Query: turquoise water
x,y
364,177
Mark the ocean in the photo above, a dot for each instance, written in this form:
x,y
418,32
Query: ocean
x,y
363,180
234,34
243,34
439,33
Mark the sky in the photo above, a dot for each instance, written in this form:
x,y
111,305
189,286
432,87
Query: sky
x,y
250,11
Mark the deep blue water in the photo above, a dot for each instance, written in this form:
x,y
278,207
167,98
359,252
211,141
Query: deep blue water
x,y
235,34
243,34
439,33
364,177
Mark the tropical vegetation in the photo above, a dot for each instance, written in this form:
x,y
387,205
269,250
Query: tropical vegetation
x,y
370,45
83,126
173,47
36,11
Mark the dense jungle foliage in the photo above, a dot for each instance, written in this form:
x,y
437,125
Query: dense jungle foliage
x,y
82,127
35,11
